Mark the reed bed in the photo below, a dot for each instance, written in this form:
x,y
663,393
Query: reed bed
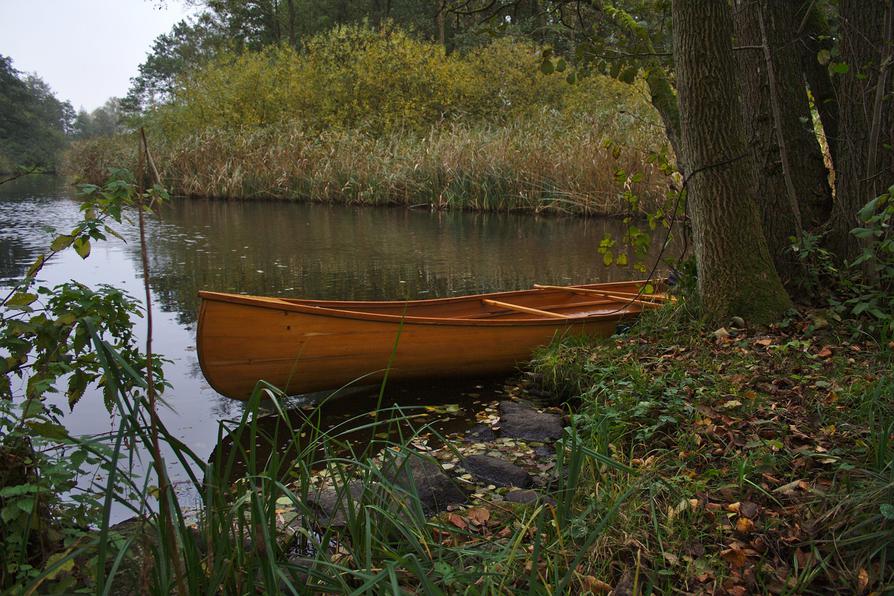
x,y
549,163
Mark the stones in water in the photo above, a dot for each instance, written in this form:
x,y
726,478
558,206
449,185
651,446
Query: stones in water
x,y
528,497
521,421
332,504
480,433
436,490
496,471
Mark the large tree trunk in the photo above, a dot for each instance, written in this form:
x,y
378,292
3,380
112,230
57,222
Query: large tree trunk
x,y
735,272
814,37
865,166
793,191
664,100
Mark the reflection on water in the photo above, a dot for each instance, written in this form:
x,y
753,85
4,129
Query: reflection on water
x,y
288,249
334,252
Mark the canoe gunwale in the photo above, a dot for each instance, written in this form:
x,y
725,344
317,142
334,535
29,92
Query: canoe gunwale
x,y
617,311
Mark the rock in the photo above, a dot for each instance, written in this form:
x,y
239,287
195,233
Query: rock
x,y
545,452
496,471
528,497
333,504
436,489
737,323
480,433
521,421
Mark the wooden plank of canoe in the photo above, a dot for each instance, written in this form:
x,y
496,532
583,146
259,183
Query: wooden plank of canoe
x,y
622,296
526,309
544,307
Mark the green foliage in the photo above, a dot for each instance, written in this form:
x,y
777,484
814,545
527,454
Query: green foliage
x,y
872,295
864,289
379,82
81,337
33,122
104,121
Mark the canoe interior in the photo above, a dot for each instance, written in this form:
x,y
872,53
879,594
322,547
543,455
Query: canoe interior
x,y
473,308
303,346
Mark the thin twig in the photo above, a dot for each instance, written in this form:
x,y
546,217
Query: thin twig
x,y
164,487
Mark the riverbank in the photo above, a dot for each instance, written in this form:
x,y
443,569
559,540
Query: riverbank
x,y
717,461
549,164
763,457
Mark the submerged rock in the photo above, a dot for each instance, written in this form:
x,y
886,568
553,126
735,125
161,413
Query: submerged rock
x,y
496,471
333,504
528,497
480,433
436,489
522,421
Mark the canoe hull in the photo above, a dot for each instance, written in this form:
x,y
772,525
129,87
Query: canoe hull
x,y
301,351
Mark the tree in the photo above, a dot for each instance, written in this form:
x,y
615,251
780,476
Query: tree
x,y
33,122
792,180
736,275
865,147
104,121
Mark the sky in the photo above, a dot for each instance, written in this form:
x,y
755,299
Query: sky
x,y
86,50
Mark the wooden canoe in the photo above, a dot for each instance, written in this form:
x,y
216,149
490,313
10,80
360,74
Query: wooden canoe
x,y
303,346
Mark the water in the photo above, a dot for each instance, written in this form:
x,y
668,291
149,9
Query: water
x,y
298,250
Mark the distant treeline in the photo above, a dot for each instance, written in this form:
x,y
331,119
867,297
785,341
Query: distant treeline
x,y
360,114
35,125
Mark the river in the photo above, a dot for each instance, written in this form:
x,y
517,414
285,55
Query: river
x,y
299,250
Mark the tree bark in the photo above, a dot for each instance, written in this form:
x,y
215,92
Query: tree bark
x,y
293,38
736,275
865,164
440,18
814,37
793,191
664,100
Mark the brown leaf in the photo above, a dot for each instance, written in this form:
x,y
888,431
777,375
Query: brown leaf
x,y
862,579
792,487
749,509
826,352
478,516
457,521
734,556
596,586
764,342
671,558
744,525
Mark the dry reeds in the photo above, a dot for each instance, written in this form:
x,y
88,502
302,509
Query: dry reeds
x,y
549,163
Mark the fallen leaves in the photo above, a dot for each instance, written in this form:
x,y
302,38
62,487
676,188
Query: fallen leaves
x,y
478,516
457,521
792,488
594,585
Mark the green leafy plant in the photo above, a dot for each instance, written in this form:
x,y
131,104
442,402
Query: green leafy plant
x,y
871,294
50,336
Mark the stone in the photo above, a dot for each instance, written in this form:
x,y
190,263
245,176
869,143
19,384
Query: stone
x,y
332,504
521,421
527,497
496,471
436,489
545,452
480,433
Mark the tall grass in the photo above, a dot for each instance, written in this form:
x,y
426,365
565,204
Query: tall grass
x,y
256,529
550,164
